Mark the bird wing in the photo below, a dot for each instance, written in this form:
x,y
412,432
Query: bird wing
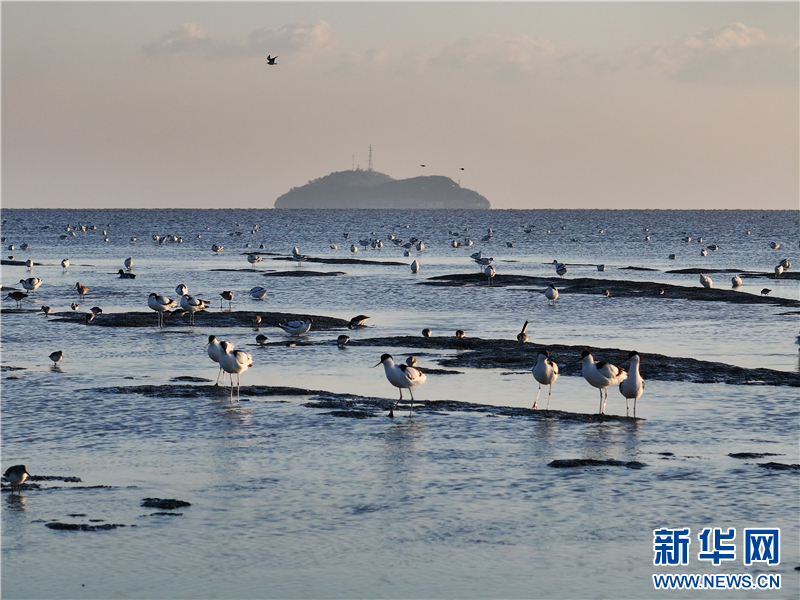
x,y
412,373
552,364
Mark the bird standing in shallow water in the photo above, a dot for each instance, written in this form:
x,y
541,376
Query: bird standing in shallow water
x,y
129,263
632,387
18,297
56,356
160,304
426,333
342,340
234,361
601,375
551,293
227,295
16,475
401,377
545,371
65,264
522,337
32,283
82,289
213,351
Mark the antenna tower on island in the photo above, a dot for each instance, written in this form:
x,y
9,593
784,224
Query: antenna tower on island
x,y
370,158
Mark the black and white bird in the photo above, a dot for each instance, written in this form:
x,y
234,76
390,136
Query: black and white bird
x,y
32,283
601,375
632,387
296,327
561,268
522,337
234,362
56,356
545,371
213,350
160,304
342,340
402,377
16,475
357,321
551,293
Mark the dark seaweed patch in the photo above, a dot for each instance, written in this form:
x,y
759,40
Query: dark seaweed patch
x,y
752,454
164,503
83,526
571,463
779,466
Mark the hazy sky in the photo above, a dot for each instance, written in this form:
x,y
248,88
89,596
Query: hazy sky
x,y
544,105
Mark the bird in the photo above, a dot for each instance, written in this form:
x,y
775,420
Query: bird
x,y
128,263
411,361
217,247
296,327
415,266
522,337
673,256
632,387
256,321
342,340
765,291
561,268
461,334
32,283
706,281
271,59
778,271
226,295
46,310
16,475
18,297
660,291
253,259
545,371
402,377
123,275
490,273
56,356
82,289
551,293
353,248
74,306
96,310
420,246
193,305
261,339
258,293
89,317
736,281
181,289
357,321
786,264
213,351
601,375
703,252
426,333
234,361
607,293
601,267
65,264
29,264
773,245
160,304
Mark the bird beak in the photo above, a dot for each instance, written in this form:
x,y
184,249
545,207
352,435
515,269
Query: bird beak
x,y
380,363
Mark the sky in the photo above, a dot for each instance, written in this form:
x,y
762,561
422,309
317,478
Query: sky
x,y
542,104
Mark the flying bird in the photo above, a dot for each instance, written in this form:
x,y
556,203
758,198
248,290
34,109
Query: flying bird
x,y
271,59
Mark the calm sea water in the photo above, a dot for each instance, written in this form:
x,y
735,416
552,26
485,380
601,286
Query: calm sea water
x,y
289,502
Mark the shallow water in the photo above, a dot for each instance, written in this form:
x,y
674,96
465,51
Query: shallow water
x,y
289,501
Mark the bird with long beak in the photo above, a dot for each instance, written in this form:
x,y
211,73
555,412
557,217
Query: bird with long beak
x,y
402,377
633,386
522,337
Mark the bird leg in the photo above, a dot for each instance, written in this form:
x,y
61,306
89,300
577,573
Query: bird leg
x,y
550,393
537,396
411,410
627,408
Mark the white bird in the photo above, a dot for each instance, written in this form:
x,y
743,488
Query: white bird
x,y
296,327
234,361
551,293
601,375
258,293
402,377
213,350
633,386
253,259
778,271
420,246
129,263
160,304
193,305
65,264
706,281
522,337
490,273
56,356
561,268
415,267
181,289
29,264
736,281
545,371
32,283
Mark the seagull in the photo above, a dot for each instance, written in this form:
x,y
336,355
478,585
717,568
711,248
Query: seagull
x,y
633,386
601,375
234,361
226,295
213,350
253,259
357,321
258,293
296,327
271,59
18,297
65,264
32,283
460,334
401,376
736,281
551,293
128,263
342,340
522,337
160,304
426,333
545,371
123,275
706,281
16,475
82,289
56,356
490,272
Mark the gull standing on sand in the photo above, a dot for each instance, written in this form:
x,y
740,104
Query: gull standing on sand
x,y
402,377
632,387
601,375
234,361
160,304
213,350
545,371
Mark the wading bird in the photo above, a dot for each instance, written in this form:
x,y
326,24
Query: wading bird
x,y
545,371
234,361
632,387
601,375
402,377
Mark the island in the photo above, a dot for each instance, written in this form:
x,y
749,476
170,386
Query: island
x,y
360,188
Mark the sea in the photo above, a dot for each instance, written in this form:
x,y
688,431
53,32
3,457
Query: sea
x,y
288,500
